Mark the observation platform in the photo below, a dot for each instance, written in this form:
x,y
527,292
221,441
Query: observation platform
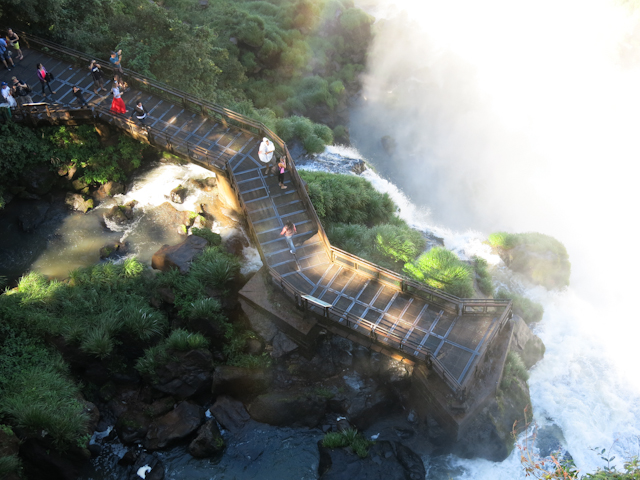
x,y
450,335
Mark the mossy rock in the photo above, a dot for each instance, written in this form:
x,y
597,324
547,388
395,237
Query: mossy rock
x,y
540,258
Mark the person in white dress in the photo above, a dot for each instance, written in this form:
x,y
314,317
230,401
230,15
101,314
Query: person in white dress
x,y
265,154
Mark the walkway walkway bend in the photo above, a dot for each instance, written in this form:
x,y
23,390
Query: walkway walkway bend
x,y
449,333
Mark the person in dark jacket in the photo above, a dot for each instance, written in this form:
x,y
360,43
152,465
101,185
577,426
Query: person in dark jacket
x,y
20,91
78,94
140,113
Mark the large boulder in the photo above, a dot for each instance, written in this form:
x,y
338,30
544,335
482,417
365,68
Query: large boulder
x,y
206,184
132,426
293,407
230,413
147,466
181,422
178,256
119,215
178,194
77,202
524,342
386,461
113,248
32,214
186,374
108,189
167,216
38,179
209,441
238,381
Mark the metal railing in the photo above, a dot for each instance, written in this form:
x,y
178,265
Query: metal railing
x,y
450,303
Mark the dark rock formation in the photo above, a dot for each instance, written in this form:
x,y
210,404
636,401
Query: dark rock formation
x,y
209,441
178,194
132,426
386,461
359,167
178,256
293,407
524,342
149,465
32,214
186,374
37,179
119,214
175,425
235,245
43,461
230,413
77,202
282,345
112,248
238,381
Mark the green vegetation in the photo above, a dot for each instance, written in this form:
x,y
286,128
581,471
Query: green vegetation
x,y
530,311
441,268
10,465
265,59
541,258
213,239
178,341
348,438
485,283
514,369
63,147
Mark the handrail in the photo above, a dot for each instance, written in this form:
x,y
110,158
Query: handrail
x,y
176,145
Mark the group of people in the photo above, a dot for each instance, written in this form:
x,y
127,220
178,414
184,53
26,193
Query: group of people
x,y
265,154
10,40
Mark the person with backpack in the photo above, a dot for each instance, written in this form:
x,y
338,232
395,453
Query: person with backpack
x,y
96,74
45,79
5,54
6,94
21,91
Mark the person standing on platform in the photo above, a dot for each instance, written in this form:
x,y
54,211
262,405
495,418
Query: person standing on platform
x,y
6,95
14,41
282,167
21,91
140,113
5,54
116,61
265,154
78,94
288,231
117,105
45,79
96,74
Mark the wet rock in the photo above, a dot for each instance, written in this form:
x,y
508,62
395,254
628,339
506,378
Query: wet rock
x,y
77,202
235,245
32,214
178,256
79,184
285,408
230,413
240,381
147,466
167,216
38,179
178,194
359,167
206,184
201,222
107,190
161,406
42,461
389,144
386,461
253,346
119,214
209,441
113,248
528,345
282,345
186,374
175,425
92,412
132,426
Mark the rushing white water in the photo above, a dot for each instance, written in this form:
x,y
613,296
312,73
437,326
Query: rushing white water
x,y
578,386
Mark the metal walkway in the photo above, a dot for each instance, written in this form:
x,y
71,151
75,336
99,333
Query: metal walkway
x,y
450,334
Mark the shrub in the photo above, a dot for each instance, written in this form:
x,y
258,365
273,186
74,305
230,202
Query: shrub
x,y
10,465
530,311
514,368
213,239
485,283
441,268
348,438
502,240
183,341
214,267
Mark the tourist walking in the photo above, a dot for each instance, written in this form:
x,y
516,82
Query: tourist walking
x,y
117,105
265,154
21,91
79,96
116,61
288,231
45,79
6,95
5,54
96,74
140,113
282,167
14,41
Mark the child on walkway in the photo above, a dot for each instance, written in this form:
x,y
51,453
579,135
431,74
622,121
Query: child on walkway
x,y
282,167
